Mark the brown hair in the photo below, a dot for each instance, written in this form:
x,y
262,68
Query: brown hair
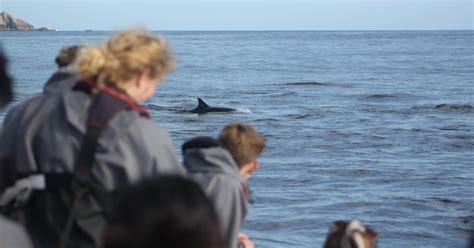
x,y
350,234
67,55
125,56
243,142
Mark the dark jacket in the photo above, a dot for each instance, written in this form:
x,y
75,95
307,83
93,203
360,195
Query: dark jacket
x,y
216,172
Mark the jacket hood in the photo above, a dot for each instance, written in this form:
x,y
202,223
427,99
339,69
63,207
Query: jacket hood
x,y
211,160
61,81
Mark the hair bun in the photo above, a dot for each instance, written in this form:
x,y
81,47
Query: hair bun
x,y
90,62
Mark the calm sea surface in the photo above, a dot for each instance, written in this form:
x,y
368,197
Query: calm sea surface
x,y
350,118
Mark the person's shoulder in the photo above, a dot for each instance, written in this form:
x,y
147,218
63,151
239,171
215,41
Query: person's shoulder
x,y
27,104
24,108
135,126
61,82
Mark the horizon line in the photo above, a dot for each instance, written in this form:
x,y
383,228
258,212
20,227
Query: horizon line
x,y
249,30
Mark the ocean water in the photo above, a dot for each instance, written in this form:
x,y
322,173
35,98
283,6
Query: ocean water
x,y
371,125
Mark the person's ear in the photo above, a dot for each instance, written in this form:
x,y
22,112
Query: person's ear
x,y
255,165
139,79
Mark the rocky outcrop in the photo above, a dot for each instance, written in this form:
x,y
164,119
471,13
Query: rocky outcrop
x,y
46,29
11,23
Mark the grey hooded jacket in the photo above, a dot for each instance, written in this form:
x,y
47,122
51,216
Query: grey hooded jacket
x,y
216,172
45,133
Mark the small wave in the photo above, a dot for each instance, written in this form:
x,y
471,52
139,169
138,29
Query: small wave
x,y
453,107
191,121
412,234
380,96
182,110
446,200
401,112
161,108
298,117
242,110
462,145
275,241
286,94
267,119
306,84
410,199
454,128
421,108
466,219
153,107
257,93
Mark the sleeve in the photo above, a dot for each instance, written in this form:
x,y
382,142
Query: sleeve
x,y
231,208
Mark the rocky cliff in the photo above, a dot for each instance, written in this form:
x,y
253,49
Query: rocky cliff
x,y
11,23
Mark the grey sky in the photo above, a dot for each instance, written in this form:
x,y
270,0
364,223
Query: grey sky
x,y
246,14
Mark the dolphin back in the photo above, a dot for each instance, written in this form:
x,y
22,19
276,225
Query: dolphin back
x,y
201,108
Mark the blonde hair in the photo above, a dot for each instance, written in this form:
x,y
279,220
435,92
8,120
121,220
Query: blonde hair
x,y
243,142
124,56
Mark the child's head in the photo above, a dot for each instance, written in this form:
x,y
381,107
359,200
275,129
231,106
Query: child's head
x,y
245,144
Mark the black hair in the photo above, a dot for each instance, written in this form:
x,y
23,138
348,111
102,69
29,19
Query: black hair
x,y
165,211
6,92
338,234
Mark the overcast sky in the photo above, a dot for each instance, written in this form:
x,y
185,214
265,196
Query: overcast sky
x,y
245,14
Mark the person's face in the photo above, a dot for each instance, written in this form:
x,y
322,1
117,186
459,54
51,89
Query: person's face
x,y
247,170
146,87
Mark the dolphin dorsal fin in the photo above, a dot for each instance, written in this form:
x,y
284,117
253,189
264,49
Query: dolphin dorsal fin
x,y
201,103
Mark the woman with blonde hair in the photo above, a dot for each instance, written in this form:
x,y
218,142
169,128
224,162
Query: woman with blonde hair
x,y
96,140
